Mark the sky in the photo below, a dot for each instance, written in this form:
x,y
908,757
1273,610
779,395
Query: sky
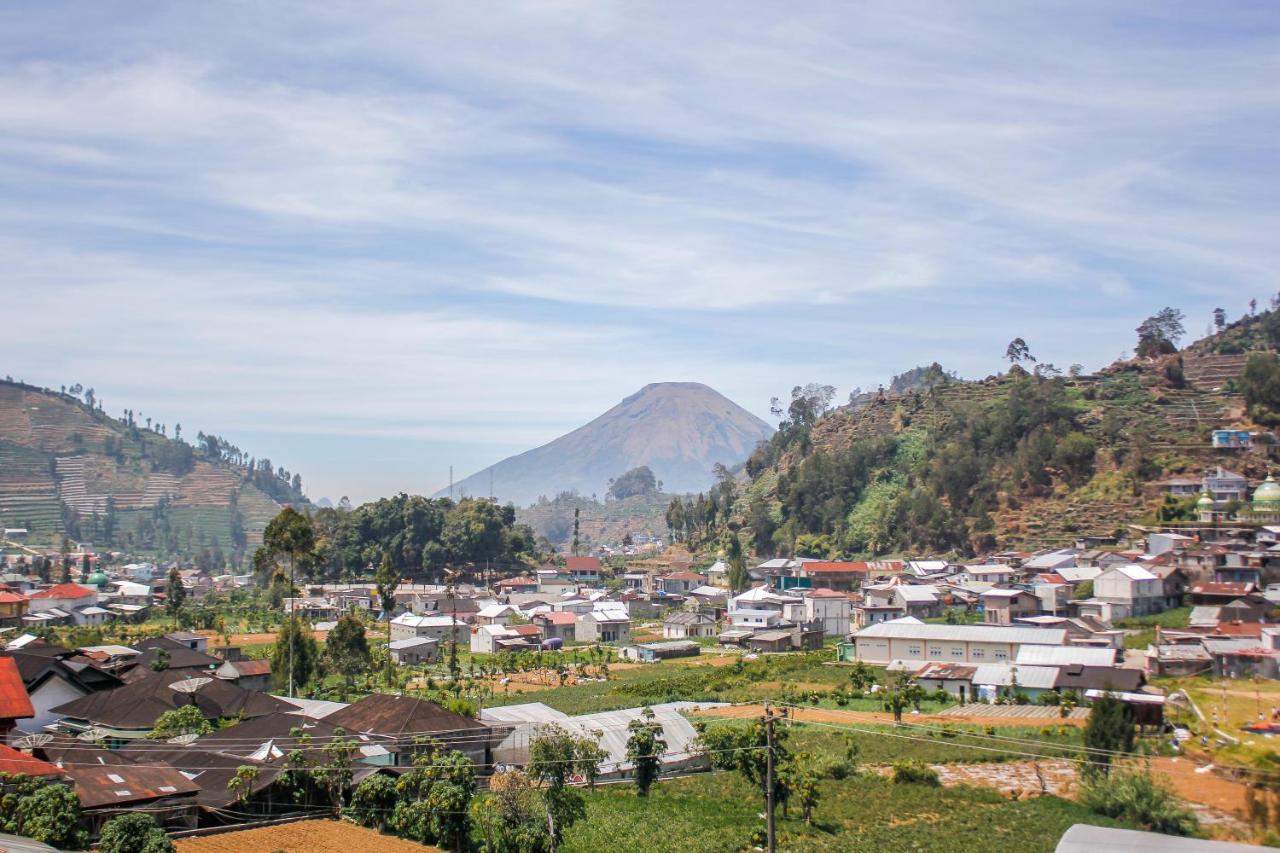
x,y
372,240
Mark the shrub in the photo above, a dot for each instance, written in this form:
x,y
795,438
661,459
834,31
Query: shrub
x,y
1137,797
914,773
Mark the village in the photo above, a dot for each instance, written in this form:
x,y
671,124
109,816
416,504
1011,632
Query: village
x,y
110,688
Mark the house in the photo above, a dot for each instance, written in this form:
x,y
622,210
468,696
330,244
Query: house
x,y
162,792
685,624
1003,606
51,681
1164,543
13,606
18,763
955,678
1056,655
770,641
1224,486
408,625
1212,592
1130,590
560,625
522,585
556,585
678,583
583,569
832,610
992,573
396,721
911,640
1230,439
190,639
486,638
654,652
1082,677
1173,583
605,625
1065,558
79,603
414,651
991,681
844,576
130,712
172,655
249,674
496,614
15,704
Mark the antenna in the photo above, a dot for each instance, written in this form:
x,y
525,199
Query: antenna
x,y
184,740
190,686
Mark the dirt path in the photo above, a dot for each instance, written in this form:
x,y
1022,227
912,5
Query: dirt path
x,y
829,715
307,836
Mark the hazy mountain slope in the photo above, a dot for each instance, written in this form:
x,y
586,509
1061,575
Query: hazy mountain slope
x,y
679,429
67,468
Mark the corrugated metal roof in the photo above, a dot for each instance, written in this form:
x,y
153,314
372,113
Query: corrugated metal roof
x,y
1002,675
1063,655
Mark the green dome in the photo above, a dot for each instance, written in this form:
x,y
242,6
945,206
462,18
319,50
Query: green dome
x,y
1267,495
98,579
1206,501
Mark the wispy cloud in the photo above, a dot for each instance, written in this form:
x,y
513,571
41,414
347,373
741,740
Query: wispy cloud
x,y
477,223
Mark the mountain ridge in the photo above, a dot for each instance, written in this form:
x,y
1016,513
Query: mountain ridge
x,y
680,430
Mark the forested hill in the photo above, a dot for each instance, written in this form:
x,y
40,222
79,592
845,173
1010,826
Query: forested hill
x,y
1031,457
67,468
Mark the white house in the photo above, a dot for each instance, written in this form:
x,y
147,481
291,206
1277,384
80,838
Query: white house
x,y
485,640
414,651
608,624
914,641
992,573
496,614
833,609
1130,590
686,625
408,625
80,603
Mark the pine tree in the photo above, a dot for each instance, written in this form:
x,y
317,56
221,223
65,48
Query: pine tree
x,y
1110,730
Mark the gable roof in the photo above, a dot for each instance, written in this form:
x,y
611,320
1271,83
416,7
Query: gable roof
x,y
100,786
15,704
391,715
580,564
21,764
64,590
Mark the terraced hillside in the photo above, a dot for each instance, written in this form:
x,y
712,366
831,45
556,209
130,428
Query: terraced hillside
x,y
69,469
854,479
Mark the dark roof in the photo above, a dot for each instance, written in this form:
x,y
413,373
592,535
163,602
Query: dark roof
x,y
138,705
65,750
108,786
15,704
181,656
209,769
247,737
1080,677
391,715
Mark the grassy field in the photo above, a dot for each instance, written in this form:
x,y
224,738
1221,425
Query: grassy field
x,y
1144,627
720,812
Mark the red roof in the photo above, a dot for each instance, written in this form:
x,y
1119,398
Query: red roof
x,y
684,576
19,763
65,590
560,618
1211,588
15,704
826,593
579,564
1050,577
527,630
1239,629
517,582
11,598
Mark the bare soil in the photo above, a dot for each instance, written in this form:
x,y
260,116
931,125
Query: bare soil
x,y
829,715
307,836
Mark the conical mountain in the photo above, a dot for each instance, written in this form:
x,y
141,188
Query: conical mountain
x,y
679,429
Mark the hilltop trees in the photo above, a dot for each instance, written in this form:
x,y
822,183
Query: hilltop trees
x,y
1018,351
637,481
1159,333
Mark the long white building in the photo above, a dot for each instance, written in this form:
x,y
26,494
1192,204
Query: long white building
x,y
914,641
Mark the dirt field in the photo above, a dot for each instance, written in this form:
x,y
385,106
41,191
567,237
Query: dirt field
x,y
827,715
242,640
308,836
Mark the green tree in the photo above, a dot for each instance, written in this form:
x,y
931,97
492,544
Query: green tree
x,y
133,833
295,657
241,784
554,755
1110,730
174,593
512,818
645,748
347,649
373,802
180,721
744,748
1159,333
1018,351
435,798
737,571
51,814
637,481
1260,385
334,773
387,579
800,777
902,693
1075,455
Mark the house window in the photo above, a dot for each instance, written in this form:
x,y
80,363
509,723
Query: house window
x,y
999,655
914,651
935,652
978,654
957,652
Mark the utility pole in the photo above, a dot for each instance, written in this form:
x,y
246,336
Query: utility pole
x,y
768,793
293,632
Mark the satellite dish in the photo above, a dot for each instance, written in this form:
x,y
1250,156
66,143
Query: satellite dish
x,y
184,740
189,685
34,741
92,734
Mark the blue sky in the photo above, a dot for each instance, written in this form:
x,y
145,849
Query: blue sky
x,y
370,240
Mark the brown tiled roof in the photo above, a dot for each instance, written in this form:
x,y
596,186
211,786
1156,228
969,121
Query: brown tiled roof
x,y
100,786
391,715
64,590
21,764
138,705
578,564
